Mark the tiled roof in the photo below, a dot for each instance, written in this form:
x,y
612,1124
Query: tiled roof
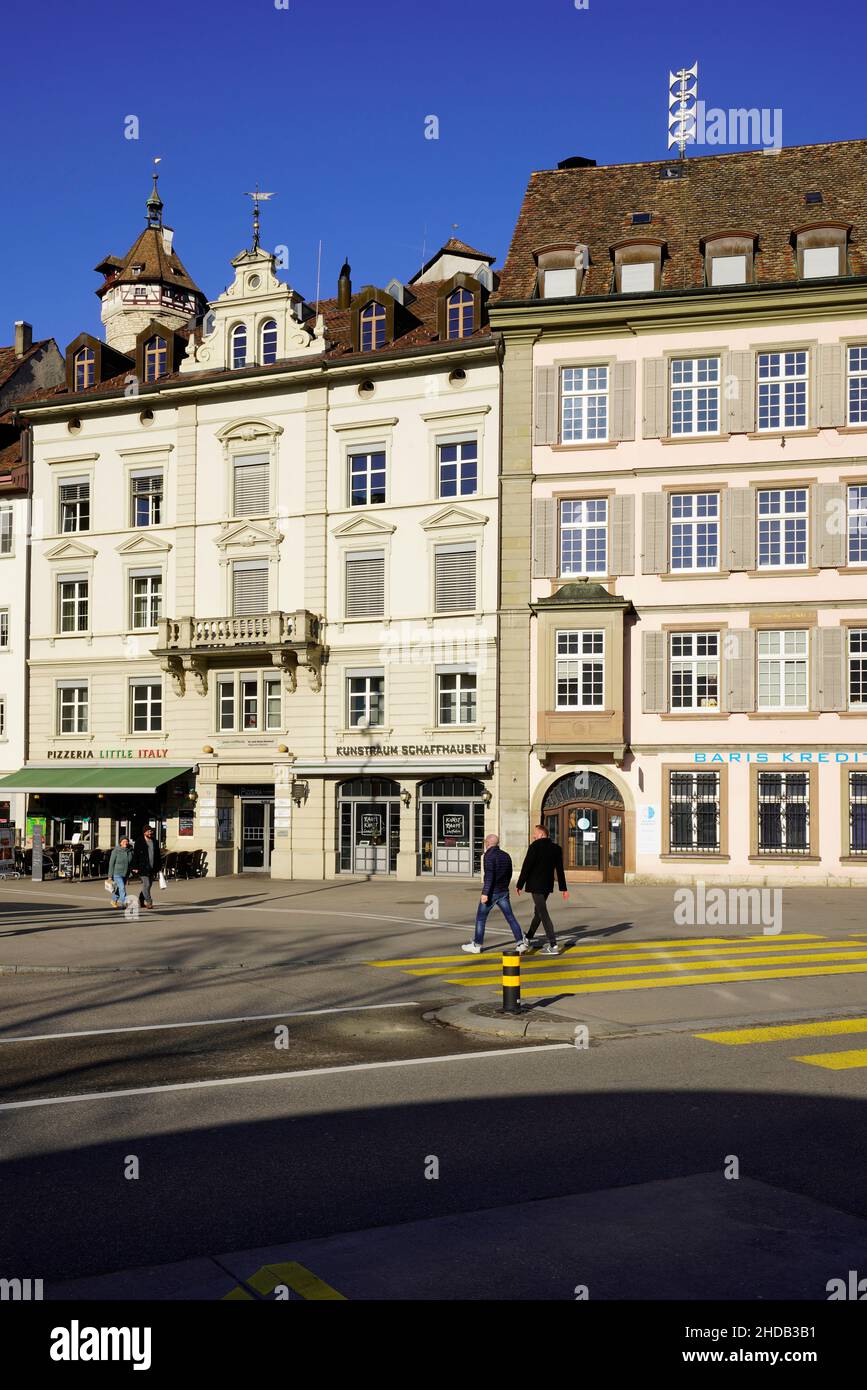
x,y
461,248
750,191
158,264
9,363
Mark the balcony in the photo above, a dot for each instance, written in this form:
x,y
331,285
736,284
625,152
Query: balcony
x,y
188,646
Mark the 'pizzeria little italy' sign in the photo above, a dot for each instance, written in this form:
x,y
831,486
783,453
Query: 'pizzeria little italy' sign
x,y
115,754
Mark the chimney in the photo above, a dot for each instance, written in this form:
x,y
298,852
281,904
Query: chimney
x,y
23,337
344,287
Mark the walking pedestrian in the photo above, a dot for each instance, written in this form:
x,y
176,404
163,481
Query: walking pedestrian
x,y
495,893
542,861
148,860
119,866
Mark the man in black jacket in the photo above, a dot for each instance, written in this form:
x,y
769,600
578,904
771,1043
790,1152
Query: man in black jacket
x,y
542,861
497,868
148,860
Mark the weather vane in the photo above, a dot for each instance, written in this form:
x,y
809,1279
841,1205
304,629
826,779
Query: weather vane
x,y
682,108
257,199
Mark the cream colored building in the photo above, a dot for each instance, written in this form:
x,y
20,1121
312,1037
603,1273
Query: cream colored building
x,y
263,611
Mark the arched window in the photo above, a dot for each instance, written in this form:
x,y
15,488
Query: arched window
x,y
85,368
460,314
155,358
239,345
372,326
269,342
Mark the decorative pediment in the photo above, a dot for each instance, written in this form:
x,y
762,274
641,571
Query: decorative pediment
x,y
448,517
144,545
364,526
70,550
247,431
248,533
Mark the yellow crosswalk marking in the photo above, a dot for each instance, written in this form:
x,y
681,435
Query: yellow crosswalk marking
x,y
464,958
782,1032
836,1061
726,977
297,1278
237,1294
715,963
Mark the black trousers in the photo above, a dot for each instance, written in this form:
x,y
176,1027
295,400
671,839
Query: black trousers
x,y
543,917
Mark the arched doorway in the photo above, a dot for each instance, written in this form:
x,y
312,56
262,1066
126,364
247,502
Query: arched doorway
x,y
584,813
451,825
368,825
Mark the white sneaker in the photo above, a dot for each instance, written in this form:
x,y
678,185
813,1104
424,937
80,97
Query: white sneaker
x,y
550,950
472,949
522,946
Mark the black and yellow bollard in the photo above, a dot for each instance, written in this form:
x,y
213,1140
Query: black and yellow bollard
x,y
511,984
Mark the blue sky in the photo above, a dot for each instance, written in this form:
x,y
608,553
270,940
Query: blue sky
x,y
325,103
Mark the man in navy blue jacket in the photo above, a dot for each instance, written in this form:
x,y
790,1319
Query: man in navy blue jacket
x,y
495,893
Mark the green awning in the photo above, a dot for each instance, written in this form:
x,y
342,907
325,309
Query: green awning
x,y
121,780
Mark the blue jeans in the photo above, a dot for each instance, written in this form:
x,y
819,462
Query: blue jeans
x,y
119,893
500,900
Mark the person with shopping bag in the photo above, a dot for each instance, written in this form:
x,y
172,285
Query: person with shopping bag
x,y
119,866
148,860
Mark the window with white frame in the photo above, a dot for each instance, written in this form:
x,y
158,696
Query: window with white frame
x,y
365,699
269,342
73,704
856,498
694,672
458,468
365,584
146,707
782,380
694,521
580,670
584,536
146,600
456,697
5,530
783,661
249,588
239,346
73,604
858,668
249,702
74,505
251,484
584,405
367,478
147,499
454,578
782,519
695,395
4,629
857,414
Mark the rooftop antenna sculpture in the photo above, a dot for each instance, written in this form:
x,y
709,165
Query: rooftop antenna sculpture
x,y
258,198
682,101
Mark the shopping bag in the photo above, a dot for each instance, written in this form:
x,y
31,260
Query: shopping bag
x,y
163,883
108,886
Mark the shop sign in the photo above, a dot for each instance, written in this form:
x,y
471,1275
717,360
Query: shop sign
x,y
371,824
649,830
410,750
104,754
185,825
36,872
453,826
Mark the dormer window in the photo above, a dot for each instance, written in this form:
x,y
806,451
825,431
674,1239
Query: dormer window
x,y
372,323
84,367
136,269
269,342
239,345
821,250
729,258
561,270
460,314
637,266
155,358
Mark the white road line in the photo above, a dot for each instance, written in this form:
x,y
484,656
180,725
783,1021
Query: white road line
x,y
286,1075
207,1022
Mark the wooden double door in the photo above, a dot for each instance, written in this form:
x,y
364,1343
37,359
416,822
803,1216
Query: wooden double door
x,y
591,834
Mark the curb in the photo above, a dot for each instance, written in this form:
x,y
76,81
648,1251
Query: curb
x,y
484,1018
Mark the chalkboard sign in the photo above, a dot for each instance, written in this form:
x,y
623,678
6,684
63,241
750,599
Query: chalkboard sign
x,y
7,851
454,826
66,864
371,824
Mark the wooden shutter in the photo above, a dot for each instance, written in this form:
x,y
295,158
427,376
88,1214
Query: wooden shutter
x,y
739,392
740,504
454,578
654,698
829,526
249,589
654,404
546,542
654,553
739,670
827,647
251,491
365,585
832,385
621,535
546,406
621,424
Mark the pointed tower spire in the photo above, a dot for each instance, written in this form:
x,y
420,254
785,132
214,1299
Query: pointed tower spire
x,y
155,203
